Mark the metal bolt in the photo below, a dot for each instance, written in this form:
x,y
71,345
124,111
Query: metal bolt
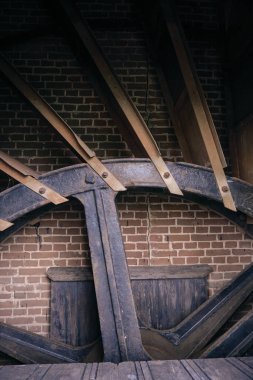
x,y
166,175
42,190
90,178
224,189
105,175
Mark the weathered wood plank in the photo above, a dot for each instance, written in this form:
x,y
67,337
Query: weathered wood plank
x,y
118,320
162,304
127,370
17,372
199,369
107,371
168,370
248,361
74,314
241,366
65,372
218,369
39,372
195,372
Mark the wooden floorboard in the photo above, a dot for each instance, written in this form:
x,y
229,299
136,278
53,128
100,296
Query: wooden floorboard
x,y
199,369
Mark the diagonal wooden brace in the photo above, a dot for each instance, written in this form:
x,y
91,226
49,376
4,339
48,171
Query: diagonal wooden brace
x,y
4,224
202,114
72,140
25,175
118,320
137,125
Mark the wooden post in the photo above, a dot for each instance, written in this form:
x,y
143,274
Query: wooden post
x,y
118,320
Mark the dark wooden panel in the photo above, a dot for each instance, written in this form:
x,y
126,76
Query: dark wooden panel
x,y
162,304
74,315
163,296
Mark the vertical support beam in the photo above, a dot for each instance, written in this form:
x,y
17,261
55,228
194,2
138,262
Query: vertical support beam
x,y
117,315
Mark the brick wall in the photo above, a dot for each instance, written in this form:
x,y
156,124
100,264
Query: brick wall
x,y
157,229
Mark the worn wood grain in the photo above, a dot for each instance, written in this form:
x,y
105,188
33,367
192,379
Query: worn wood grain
x,y
74,314
218,369
204,369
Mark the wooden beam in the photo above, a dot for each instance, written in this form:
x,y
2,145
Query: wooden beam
x,y
4,224
135,121
73,141
199,106
28,177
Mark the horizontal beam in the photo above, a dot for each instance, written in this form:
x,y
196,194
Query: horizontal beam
x,y
135,122
66,133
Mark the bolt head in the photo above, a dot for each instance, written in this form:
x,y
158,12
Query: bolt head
x,y
42,190
166,175
90,178
105,175
224,189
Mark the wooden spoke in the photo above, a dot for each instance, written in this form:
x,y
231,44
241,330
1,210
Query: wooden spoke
x,y
72,140
25,175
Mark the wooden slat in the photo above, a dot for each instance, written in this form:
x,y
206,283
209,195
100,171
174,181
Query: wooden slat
x,y
130,112
20,173
73,141
218,369
136,273
194,370
168,370
241,366
65,372
4,224
17,372
39,372
215,369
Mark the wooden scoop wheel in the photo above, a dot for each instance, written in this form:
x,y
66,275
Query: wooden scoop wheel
x,y
122,338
